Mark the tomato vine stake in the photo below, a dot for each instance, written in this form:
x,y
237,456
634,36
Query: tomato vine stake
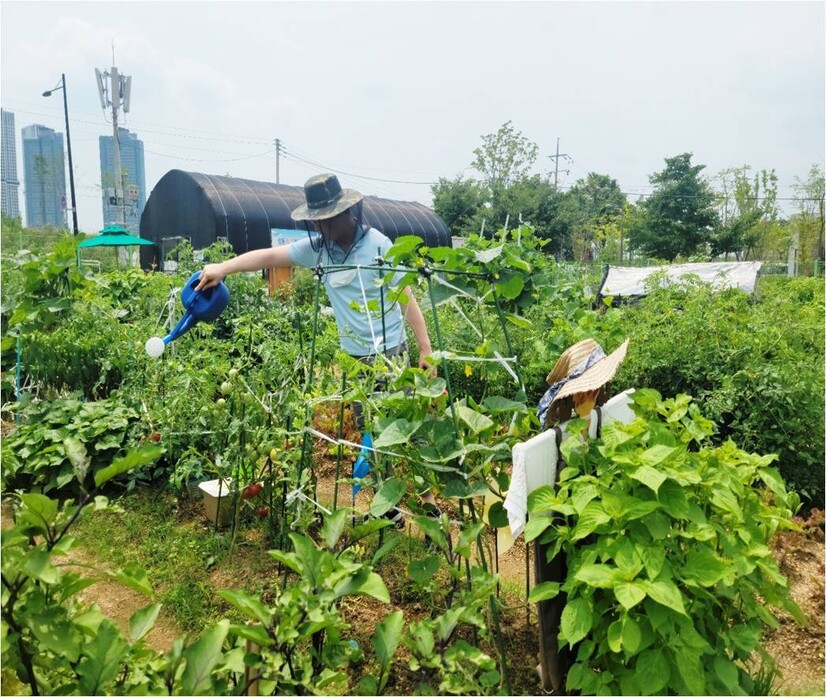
x,y
340,436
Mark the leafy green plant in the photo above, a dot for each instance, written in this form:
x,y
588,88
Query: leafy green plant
x,y
301,636
439,652
53,644
385,642
670,580
756,366
65,442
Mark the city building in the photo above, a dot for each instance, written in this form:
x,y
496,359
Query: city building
x,y
10,205
44,177
134,179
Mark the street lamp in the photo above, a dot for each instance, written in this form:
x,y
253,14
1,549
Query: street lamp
x,y
48,93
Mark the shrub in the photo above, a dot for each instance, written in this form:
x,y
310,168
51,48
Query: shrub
x,y
756,366
670,580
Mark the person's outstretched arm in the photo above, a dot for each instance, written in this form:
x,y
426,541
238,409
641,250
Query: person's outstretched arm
x,y
256,260
415,318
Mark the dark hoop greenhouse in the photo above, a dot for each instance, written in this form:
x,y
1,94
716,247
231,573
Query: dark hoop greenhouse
x,y
249,214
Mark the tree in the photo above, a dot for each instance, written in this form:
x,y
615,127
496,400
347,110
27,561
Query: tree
x,y
457,202
679,216
810,217
504,157
748,211
591,209
505,195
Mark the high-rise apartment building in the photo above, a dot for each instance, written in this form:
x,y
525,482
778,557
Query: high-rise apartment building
x,y
134,179
44,177
10,204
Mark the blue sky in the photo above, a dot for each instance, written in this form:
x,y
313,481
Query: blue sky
x,y
392,92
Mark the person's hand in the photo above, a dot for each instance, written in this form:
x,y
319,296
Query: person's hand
x,y
212,275
425,364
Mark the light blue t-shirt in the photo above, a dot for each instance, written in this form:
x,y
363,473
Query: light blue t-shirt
x,y
352,290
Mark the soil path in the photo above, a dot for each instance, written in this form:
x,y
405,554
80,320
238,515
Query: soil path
x,y
116,601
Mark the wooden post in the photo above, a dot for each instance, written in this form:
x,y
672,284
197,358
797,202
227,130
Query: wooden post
x,y
251,675
277,277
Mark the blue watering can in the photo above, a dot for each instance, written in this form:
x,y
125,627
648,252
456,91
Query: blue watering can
x,y
201,306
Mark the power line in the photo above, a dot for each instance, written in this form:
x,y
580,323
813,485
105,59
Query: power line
x,y
352,174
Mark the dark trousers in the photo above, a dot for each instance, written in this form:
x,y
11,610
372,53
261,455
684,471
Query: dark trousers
x,y
553,663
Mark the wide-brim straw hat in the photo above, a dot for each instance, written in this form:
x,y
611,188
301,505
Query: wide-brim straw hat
x,y
594,377
325,198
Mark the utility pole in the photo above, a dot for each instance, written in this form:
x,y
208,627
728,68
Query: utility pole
x,y
555,158
116,93
277,161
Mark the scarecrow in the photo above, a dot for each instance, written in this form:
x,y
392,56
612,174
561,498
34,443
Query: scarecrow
x,y
578,383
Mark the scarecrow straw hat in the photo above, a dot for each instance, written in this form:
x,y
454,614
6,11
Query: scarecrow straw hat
x,y
325,198
596,375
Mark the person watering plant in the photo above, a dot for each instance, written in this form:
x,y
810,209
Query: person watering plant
x,y
370,323
578,382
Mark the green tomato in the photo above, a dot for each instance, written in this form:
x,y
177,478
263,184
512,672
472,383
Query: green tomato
x,y
233,373
226,388
220,402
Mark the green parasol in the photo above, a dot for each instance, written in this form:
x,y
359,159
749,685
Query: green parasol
x,y
115,236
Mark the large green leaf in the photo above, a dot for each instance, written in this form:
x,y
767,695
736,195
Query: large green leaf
x,y
656,454
673,499
201,658
665,593
631,634
142,621
387,637
422,570
592,517
496,405
477,421
387,496
726,670
144,455
429,387
334,526
497,515
544,591
653,671
38,511
76,452
365,582
649,476
577,620
368,528
133,575
704,566
101,659
690,667
629,594
397,432
510,288
597,575
288,559
485,256
248,604
459,489
54,632
536,525
38,566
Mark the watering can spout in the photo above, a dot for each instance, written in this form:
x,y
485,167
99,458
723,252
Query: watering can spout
x,y
184,325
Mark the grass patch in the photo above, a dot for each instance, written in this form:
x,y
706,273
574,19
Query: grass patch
x,y
187,563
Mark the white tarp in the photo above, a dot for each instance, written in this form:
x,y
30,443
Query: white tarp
x,y
631,281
